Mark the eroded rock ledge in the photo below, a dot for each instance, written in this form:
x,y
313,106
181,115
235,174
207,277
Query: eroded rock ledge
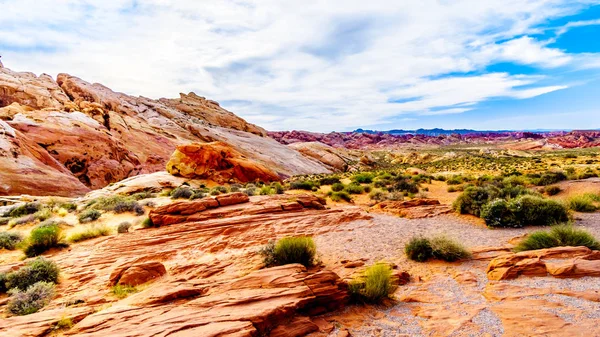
x,y
558,262
211,285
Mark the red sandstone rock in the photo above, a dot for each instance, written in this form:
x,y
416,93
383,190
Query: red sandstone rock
x,y
209,208
577,262
69,136
217,161
137,273
212,288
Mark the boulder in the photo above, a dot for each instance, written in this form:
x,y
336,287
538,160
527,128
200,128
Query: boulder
x,y
323,153
564,262
135,274
218,162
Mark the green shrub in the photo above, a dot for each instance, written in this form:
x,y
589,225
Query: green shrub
x,y
27,219
552,190
536,211
374,285
250,191
38,270
122,291
405,185
587,174
452,189
448,250
277,188
549,178
288,250
123,227
499,214
378,195
511,192
4,221
363,178
472,200
454,180
581,203
25,209
88,233
339,196
354,189
107,203
43,214
418,249
3,287
593,196
329,180
395,196
31,300
367,188
142,195
43,238
302,185
128,206
526,210
222,189
561,235
336,187
10,240
89,215
266,190
147,223
197,195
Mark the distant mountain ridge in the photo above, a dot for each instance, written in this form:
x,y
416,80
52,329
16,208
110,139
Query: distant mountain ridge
x,y
444,132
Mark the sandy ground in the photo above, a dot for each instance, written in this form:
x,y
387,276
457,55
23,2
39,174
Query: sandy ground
x,y
448,299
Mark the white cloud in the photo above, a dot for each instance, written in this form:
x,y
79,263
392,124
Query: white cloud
x,y
317,65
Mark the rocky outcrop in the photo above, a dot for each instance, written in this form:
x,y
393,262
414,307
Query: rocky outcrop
x,y
133,274
213,285
27,168
323,153
413,209
218,162
98,136
558,262
210,207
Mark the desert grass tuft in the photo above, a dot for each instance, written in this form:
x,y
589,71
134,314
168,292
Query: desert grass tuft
x,y
558,236
89,232
374,285
288,250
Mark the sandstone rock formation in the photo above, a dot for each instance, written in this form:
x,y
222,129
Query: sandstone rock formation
x,y
323,153
55,129
414,209
213,285
218,162
558,262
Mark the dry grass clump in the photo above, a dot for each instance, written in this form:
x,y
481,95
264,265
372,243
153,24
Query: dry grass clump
x,y
288,250
561,235
31,300
374,285
422,249
89,232
10,240
122,291
42,238
582,203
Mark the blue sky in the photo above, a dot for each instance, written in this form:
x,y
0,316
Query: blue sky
x,y
330,65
